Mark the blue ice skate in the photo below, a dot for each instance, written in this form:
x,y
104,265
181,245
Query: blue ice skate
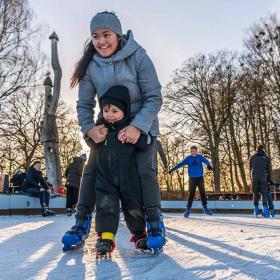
x,y
155,233
207,211
257,211
265,212
76,236
272,213
187,212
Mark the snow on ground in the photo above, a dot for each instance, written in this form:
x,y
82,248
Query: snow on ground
x,y
202,247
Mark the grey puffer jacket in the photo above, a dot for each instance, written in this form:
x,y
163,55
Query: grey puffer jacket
x,y
130,67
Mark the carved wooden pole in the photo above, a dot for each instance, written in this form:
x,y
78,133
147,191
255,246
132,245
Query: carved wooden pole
x,y
49,135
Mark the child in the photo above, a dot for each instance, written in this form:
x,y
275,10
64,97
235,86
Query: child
x,y
195,170
117,177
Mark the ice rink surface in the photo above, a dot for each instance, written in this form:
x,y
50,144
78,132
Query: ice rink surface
x,y
202,247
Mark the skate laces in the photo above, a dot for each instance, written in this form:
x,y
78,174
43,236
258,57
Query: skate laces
x,y
75,229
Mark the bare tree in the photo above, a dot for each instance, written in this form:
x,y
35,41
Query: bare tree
x,y
69,135
21,128
17,63
201,95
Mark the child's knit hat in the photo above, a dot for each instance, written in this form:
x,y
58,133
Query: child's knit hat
x,y
118,96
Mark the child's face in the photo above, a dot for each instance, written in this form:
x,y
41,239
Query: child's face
x,y
112,114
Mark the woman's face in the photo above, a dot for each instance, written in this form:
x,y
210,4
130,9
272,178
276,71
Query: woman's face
x,y
105,42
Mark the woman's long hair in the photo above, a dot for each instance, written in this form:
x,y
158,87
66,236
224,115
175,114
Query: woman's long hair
x,y
82,65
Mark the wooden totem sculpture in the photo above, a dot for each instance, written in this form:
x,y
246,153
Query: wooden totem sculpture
x,y
49,135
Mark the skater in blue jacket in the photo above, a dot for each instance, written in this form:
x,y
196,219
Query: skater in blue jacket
x,y
195,170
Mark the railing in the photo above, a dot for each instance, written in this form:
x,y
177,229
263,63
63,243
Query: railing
x,y
179,195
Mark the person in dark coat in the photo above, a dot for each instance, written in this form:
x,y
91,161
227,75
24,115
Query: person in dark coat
x,y
18,178
35,185
73,175
260,171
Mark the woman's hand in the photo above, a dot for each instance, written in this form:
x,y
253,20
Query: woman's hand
x,y
132,134
98,133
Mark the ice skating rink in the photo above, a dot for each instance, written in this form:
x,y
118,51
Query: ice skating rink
x,y
202,247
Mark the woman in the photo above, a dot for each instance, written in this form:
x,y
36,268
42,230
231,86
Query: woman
x,y
109,59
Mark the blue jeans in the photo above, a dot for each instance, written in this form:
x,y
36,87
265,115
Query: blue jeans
x,y
44,195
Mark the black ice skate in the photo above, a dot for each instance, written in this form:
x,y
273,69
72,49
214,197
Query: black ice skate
x,y
104,248
47,212
140,241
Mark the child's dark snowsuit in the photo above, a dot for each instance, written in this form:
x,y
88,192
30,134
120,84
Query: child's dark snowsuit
x,y
117,179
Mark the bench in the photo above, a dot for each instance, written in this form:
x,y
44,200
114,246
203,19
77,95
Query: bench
x,y
25,204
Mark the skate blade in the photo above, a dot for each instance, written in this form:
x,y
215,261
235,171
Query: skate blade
x,y
156,251
72,247
103,256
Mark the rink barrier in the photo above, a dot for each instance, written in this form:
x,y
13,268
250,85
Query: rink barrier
x,y
218,206
16,204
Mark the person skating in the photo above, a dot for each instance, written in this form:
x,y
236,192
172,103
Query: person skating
x,y
35,185
260,171
73,174
195,163
112,57
117,178
270,203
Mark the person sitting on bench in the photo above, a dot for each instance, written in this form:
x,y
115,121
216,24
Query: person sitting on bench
x,y
35,185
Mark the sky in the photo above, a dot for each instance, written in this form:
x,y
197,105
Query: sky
x,y
170,31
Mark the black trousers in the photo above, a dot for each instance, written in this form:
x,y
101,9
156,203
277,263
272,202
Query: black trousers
x,y
260,187
193,183
72,197
270,201
87,195
146,167
44,196
108,197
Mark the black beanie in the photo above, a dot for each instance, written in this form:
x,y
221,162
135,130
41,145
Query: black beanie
x,y
118,96
260,147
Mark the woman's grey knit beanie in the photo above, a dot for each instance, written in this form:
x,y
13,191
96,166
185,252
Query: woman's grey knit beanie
x,y
106,20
